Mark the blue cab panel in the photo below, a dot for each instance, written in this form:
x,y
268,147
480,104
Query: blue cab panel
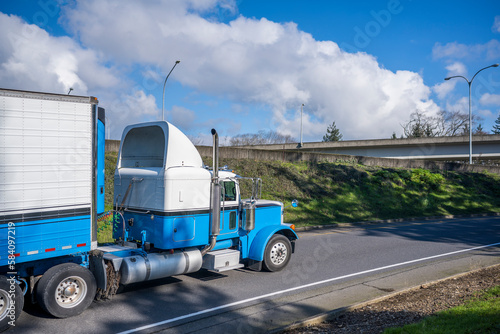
x,y
166,232
267,213
190,229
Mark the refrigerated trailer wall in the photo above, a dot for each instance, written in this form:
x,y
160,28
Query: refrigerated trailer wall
x,y
48,183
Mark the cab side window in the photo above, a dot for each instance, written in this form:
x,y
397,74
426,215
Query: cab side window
x,y
229,191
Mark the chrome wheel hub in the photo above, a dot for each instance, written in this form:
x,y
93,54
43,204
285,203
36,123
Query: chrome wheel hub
x,y
279,253
70,292
4,304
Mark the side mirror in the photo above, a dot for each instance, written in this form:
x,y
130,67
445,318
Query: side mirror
x,y
295,204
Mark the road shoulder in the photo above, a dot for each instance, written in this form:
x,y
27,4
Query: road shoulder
x,y
403,307
328,300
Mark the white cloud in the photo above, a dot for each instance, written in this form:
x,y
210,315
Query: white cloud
x,y
142,104
250,60
483,113
182,117
462,106
457,68
454,50
32,59
496,24
490,99
246,60
449,50
123,109
444,88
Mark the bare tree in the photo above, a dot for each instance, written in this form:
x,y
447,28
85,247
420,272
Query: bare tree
x,y
261,138
195,140
420,126
457,123
446,123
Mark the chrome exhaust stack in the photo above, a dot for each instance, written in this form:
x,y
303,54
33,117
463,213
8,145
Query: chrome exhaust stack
x,y
215,195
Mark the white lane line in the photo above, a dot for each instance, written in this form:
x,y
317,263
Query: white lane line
x,y
300,287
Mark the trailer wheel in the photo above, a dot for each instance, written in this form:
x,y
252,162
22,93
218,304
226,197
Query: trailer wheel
x,y
277,253
66,290
10,309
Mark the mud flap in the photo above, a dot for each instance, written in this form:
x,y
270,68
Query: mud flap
x,y
254,265
112,283
98,268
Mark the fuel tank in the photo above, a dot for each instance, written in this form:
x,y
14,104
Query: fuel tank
x,y
140,268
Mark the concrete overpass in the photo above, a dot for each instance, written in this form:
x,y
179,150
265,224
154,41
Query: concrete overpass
x,y
486,147
397,153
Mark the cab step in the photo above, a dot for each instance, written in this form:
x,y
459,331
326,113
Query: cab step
x,y
222,260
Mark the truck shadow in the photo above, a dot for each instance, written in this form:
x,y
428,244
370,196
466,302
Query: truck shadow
x,y
178,306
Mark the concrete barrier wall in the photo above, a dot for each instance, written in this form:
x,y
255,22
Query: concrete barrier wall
x,y
292,156
112,145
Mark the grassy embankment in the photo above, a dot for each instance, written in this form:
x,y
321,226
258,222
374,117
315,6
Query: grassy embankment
x,y
479,315
330,193
104,227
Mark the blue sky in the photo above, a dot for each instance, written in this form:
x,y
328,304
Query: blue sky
x,y
248,65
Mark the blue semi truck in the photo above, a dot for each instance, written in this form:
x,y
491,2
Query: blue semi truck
x,y
172,214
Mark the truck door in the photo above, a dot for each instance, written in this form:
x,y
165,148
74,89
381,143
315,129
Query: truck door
x,y
229,209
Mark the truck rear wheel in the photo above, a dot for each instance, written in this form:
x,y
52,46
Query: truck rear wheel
x,y
10,309
66,290
277,253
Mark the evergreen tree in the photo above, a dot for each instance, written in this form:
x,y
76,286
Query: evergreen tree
x,y
479,131
496,127
332,133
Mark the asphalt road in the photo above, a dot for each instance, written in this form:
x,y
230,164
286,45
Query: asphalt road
x,y
330,269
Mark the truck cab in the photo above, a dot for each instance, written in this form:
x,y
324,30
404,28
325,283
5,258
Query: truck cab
x,y
166,195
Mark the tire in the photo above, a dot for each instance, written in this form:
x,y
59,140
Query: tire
x,y
66,290
277,253
7,318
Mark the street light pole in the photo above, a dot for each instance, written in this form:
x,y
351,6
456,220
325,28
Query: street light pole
x,y
470,105
301,111
163,97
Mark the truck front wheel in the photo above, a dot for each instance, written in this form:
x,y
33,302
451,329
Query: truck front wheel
x,y
277,253
11,303
66,290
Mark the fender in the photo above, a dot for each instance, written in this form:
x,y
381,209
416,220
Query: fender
x,y
260,241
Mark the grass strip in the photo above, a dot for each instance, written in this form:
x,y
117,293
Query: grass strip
x,y
481,314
